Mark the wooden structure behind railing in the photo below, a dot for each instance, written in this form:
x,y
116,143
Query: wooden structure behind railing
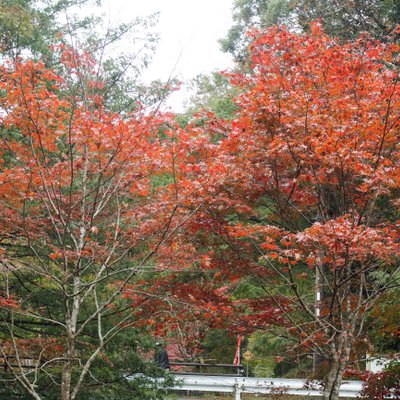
x,y
11,362
205,368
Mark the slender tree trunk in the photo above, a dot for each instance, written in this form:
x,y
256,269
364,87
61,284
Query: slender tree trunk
x,y
66,378
330,381
340,358
338,381
71,324
333,382
66,383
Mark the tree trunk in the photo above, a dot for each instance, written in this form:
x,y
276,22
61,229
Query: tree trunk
x,y
66,381
333,382
71,324
330,383
66,377
340,357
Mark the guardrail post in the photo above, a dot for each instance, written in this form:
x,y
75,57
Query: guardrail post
x,y
237,391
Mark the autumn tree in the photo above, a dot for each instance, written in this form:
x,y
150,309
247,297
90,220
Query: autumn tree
x,y
314,153
84,209
30,28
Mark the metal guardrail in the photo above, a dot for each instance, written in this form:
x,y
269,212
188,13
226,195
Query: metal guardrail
x,y
238,385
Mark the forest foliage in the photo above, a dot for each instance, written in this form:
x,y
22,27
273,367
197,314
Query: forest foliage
x,y
272,214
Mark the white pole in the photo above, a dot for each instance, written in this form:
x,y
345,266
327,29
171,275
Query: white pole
x,y
237,392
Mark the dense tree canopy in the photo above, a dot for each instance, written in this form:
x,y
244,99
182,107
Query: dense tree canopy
x,y
74,184
316,142
273,214
344,19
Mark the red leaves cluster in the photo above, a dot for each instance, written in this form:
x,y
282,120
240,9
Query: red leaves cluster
x,y
380,385
181,308
8,302
317,113
341,242
34,350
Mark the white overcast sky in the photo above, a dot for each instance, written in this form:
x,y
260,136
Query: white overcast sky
x,y
189,31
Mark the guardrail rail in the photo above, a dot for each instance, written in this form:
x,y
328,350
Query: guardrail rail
x,y
238,385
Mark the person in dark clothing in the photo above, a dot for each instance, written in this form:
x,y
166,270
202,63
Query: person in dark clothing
x,y
161,356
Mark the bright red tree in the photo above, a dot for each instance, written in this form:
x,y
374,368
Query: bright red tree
x,y
87,199
314,152
106,217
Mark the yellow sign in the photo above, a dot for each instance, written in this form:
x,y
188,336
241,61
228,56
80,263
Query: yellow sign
x,y
247,355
